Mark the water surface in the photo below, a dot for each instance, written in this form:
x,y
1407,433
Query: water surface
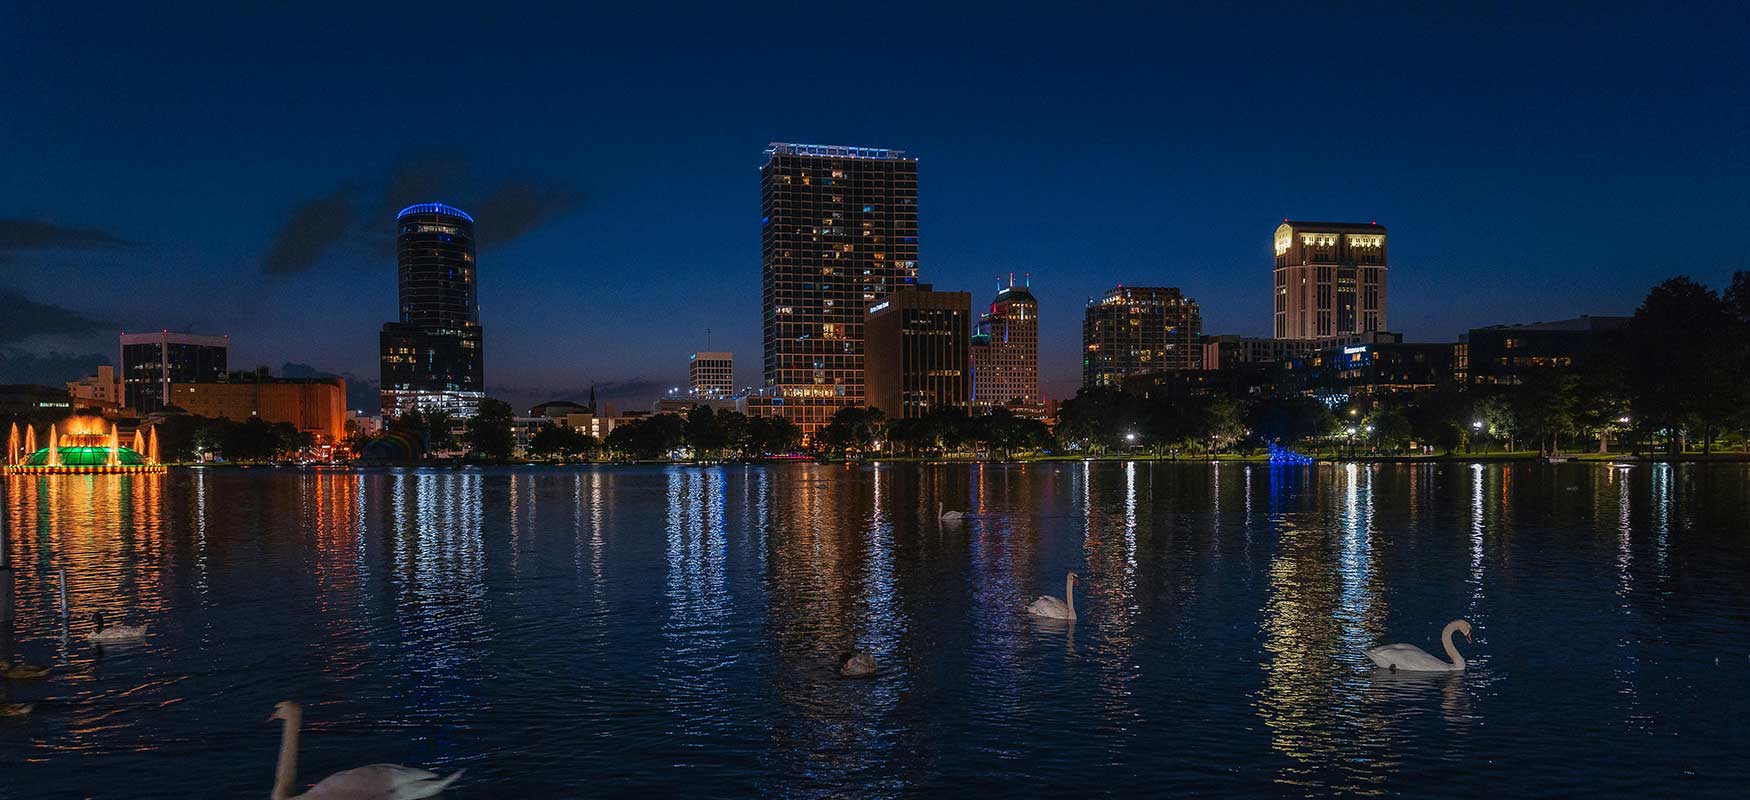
x,y
624,631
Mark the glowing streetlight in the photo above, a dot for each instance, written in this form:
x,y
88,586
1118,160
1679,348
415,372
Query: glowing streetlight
x,y
1477,425
1130,437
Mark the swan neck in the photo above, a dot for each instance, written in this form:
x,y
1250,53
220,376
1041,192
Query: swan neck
x,y
1069,593
287,771
1452,649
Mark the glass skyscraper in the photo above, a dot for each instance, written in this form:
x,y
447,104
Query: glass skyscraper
x,y
839,232
431,356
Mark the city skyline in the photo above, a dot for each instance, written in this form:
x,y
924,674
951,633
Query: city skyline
x,y
285,250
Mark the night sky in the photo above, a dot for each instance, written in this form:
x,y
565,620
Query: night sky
x,y
238,172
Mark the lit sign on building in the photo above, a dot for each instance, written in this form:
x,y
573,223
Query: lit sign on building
x,y
879,306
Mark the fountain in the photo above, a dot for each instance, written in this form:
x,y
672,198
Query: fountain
x,y
86,448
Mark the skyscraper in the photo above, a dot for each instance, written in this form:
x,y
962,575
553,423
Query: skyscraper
x,y
431,357
1133,329
1330,279
839,232
712,374
1005,351
152,361
917,360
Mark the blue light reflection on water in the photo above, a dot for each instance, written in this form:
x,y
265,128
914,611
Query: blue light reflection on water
x,y
676,630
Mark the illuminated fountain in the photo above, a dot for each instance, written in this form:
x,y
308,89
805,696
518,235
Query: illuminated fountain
x,y
85,449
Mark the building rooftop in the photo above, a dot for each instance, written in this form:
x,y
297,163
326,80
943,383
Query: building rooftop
x,y
836,151
434,208
1370,227
1581,324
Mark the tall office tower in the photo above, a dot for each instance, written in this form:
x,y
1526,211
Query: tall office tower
x,y
839,233
431,357
712,374
1134,329
1005,350
152,361
917,344
1330,279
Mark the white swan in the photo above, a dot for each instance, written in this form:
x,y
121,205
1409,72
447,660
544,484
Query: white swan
x,y
1411,658
375,782
857,665
1047,606
114,633
948,516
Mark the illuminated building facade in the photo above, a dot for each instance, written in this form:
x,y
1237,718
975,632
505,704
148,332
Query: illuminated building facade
x,y
101,391
918,352
432,357
1133,329
316,406
839,232
1005,350
1330,279
152,361
712,375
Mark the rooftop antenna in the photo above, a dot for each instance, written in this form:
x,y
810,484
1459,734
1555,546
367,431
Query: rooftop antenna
x,y
707,339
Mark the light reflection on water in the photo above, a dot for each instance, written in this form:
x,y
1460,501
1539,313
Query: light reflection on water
x,y
677,630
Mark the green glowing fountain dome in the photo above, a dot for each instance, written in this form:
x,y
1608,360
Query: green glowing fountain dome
x,y
82,456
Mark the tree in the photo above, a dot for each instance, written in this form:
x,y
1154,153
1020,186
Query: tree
x,y
854,429
1292,421
1685,361
771,436
648,438
704,432
1098,417
559,441
1220,424
489,430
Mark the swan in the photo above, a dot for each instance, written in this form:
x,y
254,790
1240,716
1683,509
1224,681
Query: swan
x,y
23,672
1054,608
857,665
948,516
1411,658
16,709
375,782
114,633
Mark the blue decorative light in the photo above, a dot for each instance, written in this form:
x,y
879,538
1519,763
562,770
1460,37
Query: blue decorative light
x,y
434,208
1282,455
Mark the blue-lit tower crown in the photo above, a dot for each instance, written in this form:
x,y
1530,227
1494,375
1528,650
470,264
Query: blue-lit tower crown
x,y
434,249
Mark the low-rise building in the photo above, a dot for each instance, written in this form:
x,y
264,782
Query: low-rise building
x,y
1506,353
102,391
314,405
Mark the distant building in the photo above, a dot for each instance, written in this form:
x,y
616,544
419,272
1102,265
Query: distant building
x,y
712,374
917,345
1226,351
1506,353
1330,279
316,406
1135,329
103,390
1390,367
1005,350
31,402
838,232
151,362
432,357
558,409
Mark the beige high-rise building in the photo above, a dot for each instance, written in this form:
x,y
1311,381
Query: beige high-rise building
x,y
1005,350
1330,279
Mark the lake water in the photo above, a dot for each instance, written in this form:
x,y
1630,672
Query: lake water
x,y
646,631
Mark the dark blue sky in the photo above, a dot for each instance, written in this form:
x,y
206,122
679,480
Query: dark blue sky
x,y
237,172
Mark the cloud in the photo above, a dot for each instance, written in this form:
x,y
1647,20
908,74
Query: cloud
x,y
24,318
631,387
313,228
506,209
54,369
18,235
515,208
24,234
